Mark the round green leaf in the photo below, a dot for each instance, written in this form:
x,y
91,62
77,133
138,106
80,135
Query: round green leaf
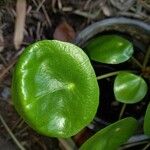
x,y
111,137
129,88
54,88
109,49
147,121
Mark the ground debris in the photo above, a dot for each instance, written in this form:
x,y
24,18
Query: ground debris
x,y
64,32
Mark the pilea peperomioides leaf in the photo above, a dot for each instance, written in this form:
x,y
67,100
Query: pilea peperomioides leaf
x,y
54,88
147,121
129,88
111,137
109,49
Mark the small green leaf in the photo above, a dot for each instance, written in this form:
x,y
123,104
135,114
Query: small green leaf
x,y
147,121
111,137
54,88
129,88
109,49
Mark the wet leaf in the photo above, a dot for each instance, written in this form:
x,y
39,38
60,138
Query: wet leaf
x,y
129,88
54,88
147,121
111,137
64,32
109,49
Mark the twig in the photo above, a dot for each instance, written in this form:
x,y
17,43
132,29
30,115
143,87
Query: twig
x,y
3,59
1,39
38,30
146,59
20,23
145,5
146,147
86,14
46,15
21,131
128,14
106,11
35,3
13,12
53,6
123,7
29,9
42,144
21,123
18,121
11,134
67,9
87,4
68,144
3,26
6,70
40,5
59,4
138,7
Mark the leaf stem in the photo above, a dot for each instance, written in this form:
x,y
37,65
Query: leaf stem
x,y
146,59
11,134
146,147
122,111
107,75
137,62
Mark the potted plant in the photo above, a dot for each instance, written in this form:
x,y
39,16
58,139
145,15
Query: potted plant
x,y
55,87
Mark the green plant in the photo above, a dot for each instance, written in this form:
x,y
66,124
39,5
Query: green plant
x,y
53,85
55,90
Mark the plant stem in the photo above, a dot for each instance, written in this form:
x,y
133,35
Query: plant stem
x,y
107,75
146,147
68,144
122,111
137,62
11,134
146,59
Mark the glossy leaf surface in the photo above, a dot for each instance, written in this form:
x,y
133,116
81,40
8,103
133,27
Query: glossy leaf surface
x,y
129,88
55,88
111,137
147,121
109,49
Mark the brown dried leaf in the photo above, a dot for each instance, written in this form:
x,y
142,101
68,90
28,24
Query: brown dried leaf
x,y
20,22
64,32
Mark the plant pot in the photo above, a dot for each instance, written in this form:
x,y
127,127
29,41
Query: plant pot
x,y
138,30
138,33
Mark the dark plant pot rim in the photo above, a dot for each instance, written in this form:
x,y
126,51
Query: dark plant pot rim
x,y
100,26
